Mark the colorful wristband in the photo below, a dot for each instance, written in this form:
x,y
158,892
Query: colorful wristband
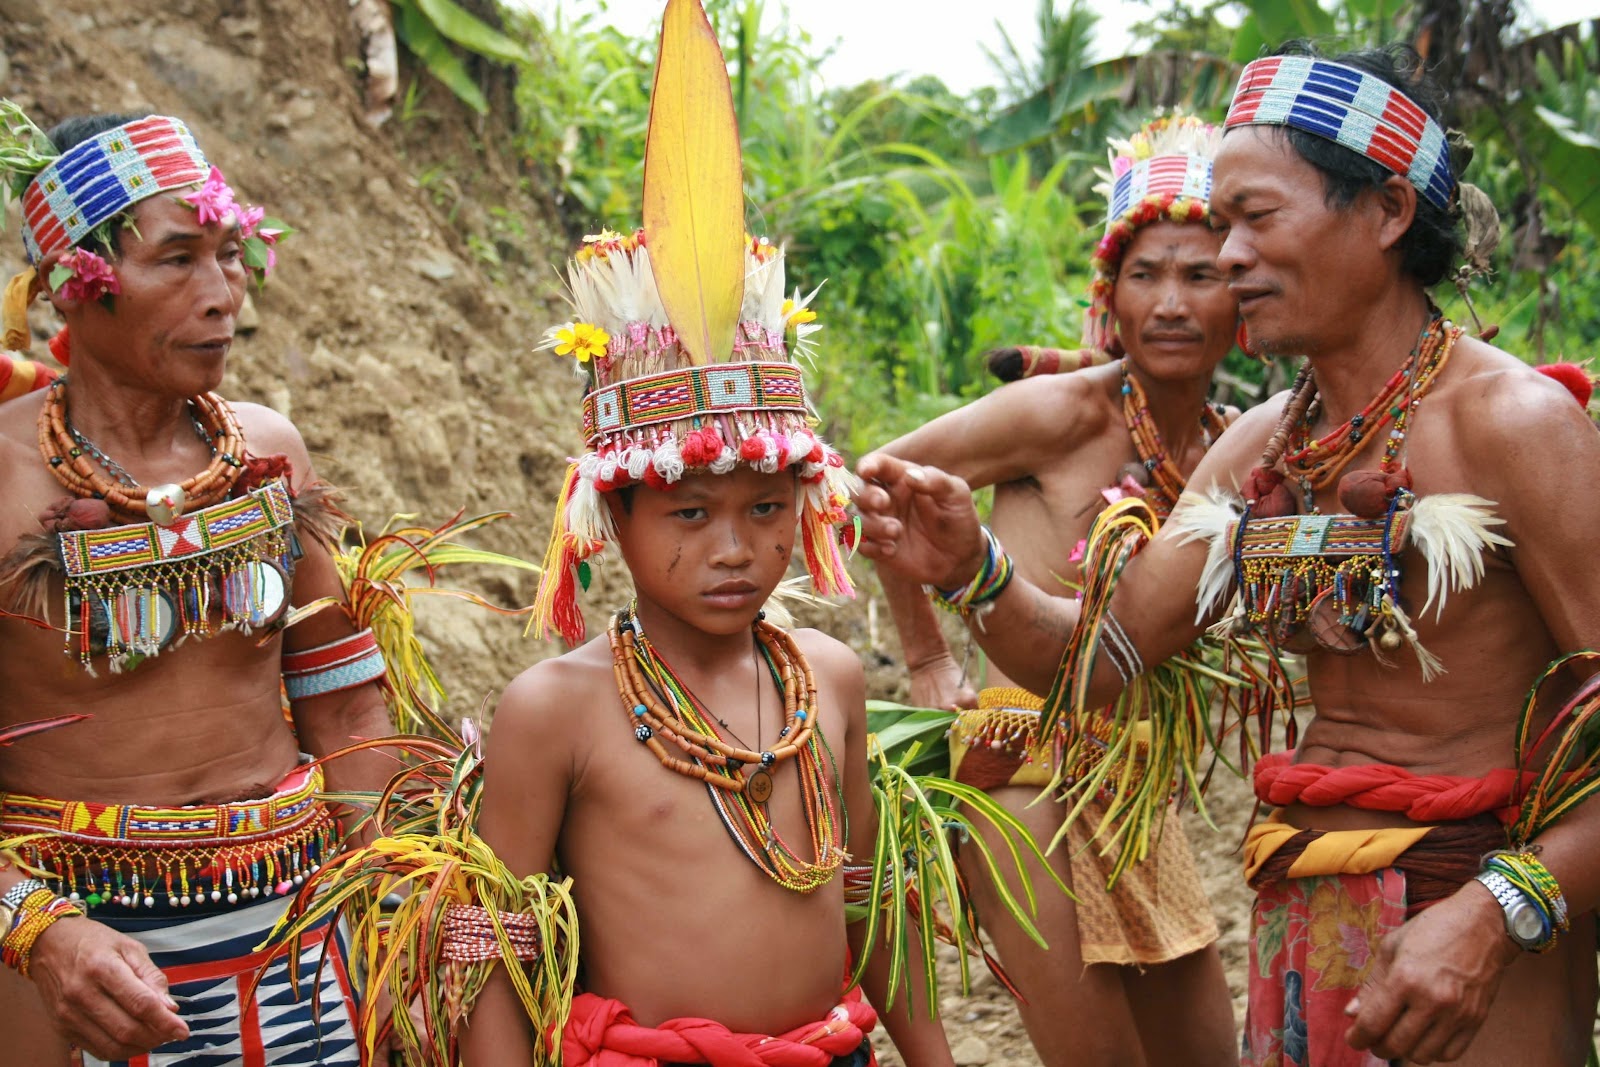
x,y
1524,873
338,665
39,910
986,586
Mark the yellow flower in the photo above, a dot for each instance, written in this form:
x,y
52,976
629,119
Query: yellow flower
x,y
793,316
582,341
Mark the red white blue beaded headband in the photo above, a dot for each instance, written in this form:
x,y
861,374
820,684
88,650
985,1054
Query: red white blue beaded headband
x,y
103,176
1349,107
1181,175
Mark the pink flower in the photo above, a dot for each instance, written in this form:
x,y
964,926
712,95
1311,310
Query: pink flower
x,y
89,276
213,201
249,218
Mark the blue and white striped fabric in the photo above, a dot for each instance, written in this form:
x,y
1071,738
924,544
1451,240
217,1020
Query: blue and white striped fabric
x,y
209,956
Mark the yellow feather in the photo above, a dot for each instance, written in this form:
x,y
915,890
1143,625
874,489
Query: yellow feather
x,y
693,187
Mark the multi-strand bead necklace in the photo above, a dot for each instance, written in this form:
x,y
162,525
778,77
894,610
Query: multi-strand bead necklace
x,y
88,472
662,706
1166,480
1315,464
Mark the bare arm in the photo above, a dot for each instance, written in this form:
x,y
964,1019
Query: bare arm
x,y
1437,975
912,1023
528,770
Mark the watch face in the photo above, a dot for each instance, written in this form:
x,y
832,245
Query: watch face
x,y
1525,923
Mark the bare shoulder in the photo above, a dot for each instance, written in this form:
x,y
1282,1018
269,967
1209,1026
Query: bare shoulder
x,y
26,484
556,698
1506,415
1239,447
828,655
269,433
1067,409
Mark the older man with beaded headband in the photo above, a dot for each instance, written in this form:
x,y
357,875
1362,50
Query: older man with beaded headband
x,y
154,810
1060,448
1429,843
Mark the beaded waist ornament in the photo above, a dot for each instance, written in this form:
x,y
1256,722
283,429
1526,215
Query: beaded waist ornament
x,y
134,855
133,590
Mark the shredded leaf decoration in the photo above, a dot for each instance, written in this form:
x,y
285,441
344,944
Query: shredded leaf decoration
x,y
693,203
915,877
374,575
426,852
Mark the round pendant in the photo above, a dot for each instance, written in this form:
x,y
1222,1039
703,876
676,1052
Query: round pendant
x,y
164,503
758,787
270,588
1330,632
146,620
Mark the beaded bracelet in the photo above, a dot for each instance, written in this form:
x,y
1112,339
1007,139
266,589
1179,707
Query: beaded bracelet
x,y
470,937
978,595
1533,880
39,911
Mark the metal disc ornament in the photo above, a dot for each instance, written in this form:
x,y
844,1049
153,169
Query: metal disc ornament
x,y
164,503
758,787
1331,632
271,590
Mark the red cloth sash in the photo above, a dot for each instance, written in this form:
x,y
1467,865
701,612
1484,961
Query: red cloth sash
x,y
1385,787
601,1033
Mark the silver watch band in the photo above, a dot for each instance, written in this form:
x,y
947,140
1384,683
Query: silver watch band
x,y
20,892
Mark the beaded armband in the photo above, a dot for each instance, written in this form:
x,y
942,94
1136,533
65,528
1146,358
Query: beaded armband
x,y
338,665
1120,650
1524,873
469,934
977,597
36,912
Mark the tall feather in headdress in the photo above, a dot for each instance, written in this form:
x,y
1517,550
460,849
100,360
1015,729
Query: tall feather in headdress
x,y
694,186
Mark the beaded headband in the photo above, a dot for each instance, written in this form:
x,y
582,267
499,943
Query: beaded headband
x,y
1350,107
1162,172
687,340
99,178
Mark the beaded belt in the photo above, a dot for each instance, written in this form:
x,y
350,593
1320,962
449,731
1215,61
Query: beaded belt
x,y
1007,719
128,853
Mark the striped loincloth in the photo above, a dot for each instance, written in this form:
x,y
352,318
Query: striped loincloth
x,y
209,956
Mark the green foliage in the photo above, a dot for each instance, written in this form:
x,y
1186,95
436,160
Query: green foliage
x,y
945,225
430,29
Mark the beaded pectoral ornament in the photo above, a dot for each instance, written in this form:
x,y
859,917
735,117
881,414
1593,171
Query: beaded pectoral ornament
x,y
1312,580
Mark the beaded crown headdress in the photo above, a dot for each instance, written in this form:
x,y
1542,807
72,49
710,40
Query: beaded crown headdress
x,y
1162,172
686,338
1350,107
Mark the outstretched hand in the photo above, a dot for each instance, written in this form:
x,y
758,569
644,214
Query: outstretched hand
x,y
1433,981
918,522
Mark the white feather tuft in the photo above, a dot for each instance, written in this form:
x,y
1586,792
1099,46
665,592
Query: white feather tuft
x,y
1452,531
1205,517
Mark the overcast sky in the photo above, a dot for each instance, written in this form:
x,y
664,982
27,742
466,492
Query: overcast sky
x,y
876,38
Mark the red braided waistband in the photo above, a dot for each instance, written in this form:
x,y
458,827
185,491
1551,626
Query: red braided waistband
x,y
1385,787
601,1033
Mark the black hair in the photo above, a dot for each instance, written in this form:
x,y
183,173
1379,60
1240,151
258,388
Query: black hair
x,y
1434,242
71,132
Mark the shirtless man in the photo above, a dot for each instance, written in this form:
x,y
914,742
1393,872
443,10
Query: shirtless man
x,y
1388,802
1051,445
149,277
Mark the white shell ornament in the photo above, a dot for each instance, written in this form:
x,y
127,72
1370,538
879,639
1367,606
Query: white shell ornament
x,y
165,503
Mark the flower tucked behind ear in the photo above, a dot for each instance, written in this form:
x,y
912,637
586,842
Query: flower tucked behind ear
x,y
83,275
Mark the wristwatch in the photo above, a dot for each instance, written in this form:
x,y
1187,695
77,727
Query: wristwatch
x,y
13,900
1525,923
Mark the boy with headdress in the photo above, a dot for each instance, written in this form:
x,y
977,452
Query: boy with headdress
x,y
1060,448
681,806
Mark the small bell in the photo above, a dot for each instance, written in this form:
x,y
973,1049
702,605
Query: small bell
x,y
165,503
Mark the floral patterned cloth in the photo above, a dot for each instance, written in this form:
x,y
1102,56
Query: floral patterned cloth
x,y
1313,941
